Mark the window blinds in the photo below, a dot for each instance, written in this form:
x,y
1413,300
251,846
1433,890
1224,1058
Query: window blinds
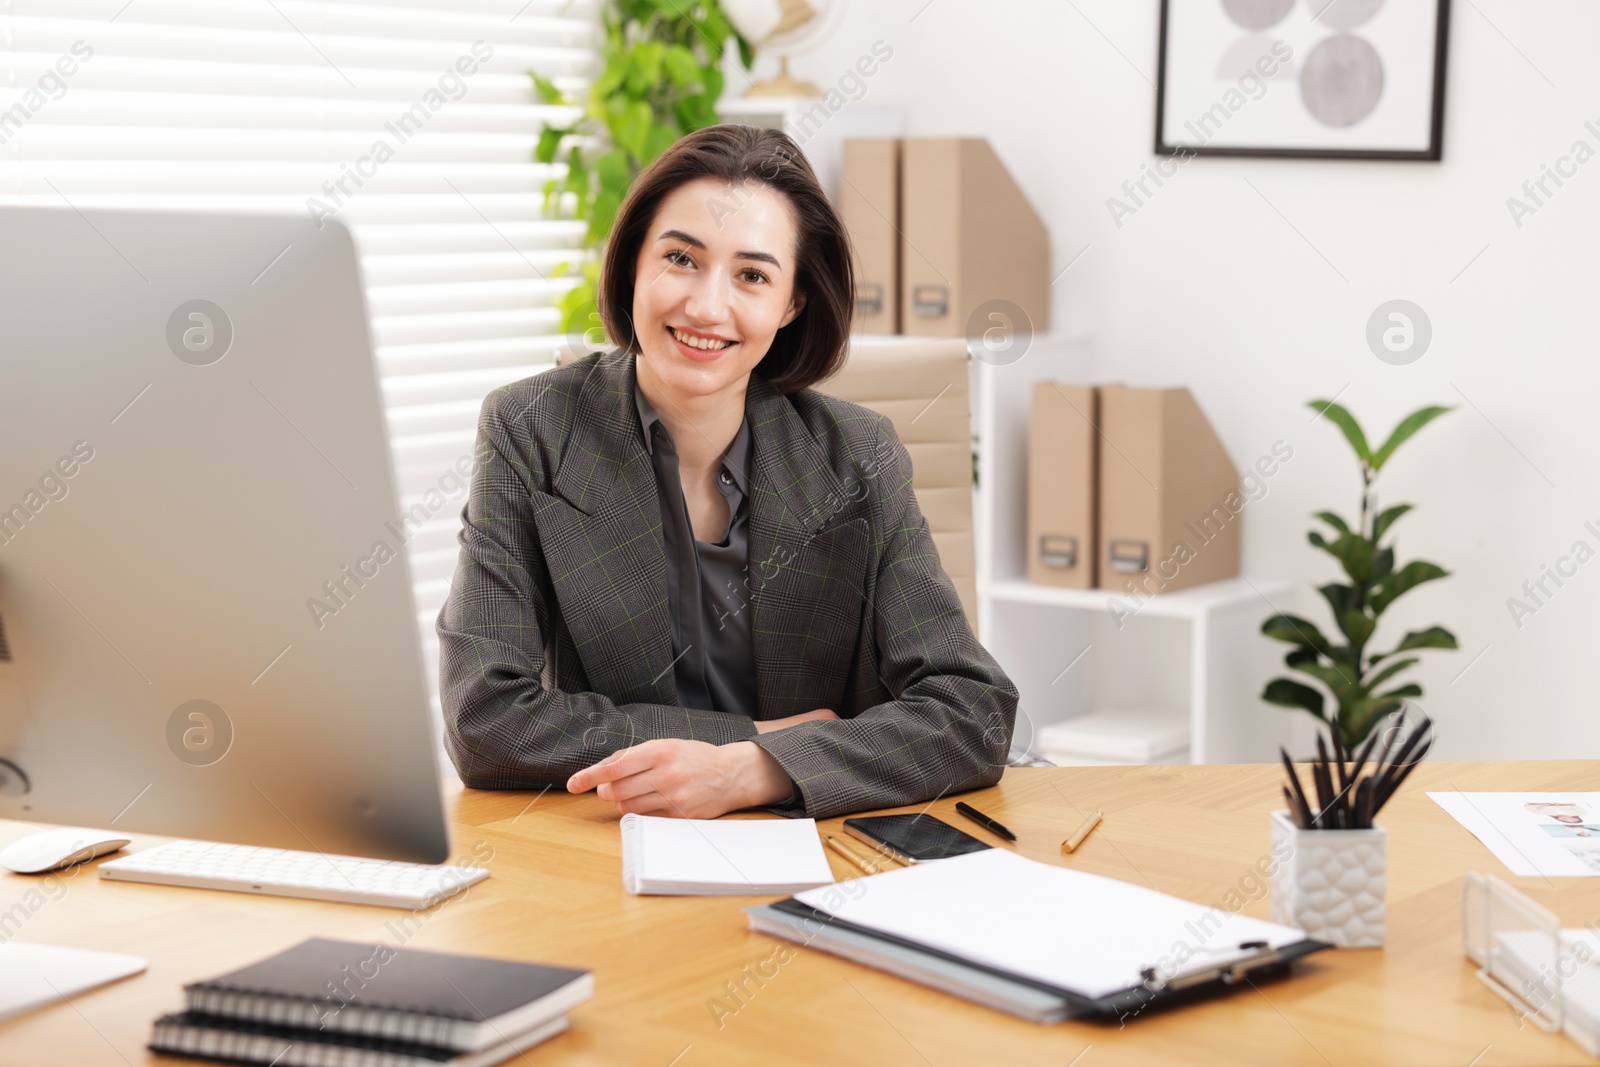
x,y
414,121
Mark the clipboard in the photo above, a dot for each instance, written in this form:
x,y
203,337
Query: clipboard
x,y
1202,980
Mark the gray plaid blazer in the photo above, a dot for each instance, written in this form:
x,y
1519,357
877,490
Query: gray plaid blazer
x,y
555,641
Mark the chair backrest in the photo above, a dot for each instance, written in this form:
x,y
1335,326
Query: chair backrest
x,y
920,384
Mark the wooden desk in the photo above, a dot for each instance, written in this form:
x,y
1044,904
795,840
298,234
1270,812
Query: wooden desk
x,y
660,963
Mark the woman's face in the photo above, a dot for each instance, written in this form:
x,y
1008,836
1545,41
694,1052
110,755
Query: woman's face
x,y
1570,814
714,283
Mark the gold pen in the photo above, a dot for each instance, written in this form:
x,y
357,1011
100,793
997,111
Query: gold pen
x,y
1081,832
834,844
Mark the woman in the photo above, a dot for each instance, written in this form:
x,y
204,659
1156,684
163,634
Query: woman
x,y
688,580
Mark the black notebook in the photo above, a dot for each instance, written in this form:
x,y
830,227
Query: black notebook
x,y
437,999
239,1041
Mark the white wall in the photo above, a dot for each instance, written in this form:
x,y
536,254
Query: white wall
x,y
1209,287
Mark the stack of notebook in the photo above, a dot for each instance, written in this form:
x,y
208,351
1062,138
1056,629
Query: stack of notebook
x,y
721,857
338,1002
1033,939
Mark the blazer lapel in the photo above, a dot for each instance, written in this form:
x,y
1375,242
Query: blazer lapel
x,y
807,566
602,543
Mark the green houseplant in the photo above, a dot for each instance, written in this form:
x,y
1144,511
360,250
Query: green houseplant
x,y
1352,675
661,77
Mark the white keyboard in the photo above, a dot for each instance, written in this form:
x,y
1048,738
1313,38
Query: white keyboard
x,y
283,873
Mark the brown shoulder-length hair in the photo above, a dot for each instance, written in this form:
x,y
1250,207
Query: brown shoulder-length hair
x,y
813,346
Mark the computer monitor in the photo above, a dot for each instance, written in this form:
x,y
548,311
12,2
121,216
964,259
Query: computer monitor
x,y
206,619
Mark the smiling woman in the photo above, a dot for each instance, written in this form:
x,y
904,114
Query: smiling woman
x,y
660,594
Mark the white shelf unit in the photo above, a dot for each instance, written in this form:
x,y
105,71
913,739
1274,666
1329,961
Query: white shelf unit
x,y
1073,651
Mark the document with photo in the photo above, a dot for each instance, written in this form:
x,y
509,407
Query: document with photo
x,y
1550,834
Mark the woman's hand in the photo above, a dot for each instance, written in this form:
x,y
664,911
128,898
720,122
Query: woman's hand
x,y
820,715
686,779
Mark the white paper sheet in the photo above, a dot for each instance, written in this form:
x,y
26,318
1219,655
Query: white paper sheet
x,y
1079,932
32,976
1533,834
723,856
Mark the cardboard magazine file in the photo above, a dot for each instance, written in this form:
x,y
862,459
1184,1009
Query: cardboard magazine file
x,y
1169,494
1063,461
869,200
921,387
974,251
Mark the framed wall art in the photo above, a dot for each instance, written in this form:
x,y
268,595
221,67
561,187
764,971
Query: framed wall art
x,y
1357,79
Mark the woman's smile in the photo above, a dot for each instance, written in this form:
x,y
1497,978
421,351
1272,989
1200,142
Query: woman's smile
x,y
701,347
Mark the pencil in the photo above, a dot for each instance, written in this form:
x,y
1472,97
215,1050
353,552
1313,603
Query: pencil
x,y
1071,843
833,843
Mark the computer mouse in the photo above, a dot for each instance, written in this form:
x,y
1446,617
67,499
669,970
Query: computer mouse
x,y
50,850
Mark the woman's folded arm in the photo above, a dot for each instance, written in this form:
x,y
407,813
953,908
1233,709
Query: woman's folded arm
x,y
949,727
504,728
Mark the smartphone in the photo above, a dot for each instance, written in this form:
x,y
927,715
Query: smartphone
x,y
913,838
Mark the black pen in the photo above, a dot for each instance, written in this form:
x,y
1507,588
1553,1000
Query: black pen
x,y
984,821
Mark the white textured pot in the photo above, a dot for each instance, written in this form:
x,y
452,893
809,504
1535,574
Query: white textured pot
x,y
1332,883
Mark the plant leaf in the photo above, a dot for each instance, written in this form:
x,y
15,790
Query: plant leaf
x,y
610,80
1340,680
1333,520
645,60
604,212
1402,581
547,91
1303,654
1357,625
1386,519
1347,423
1343,654
549,145
1389,672
1382,564
612,167
1411,689
1339,597
1356,555
660,138
1432,637
1291,694
1408,426
1358,719
631,126
682,67
1296,631
712,94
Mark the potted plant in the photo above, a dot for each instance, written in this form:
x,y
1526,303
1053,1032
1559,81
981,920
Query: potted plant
x,y
661,77
1352,675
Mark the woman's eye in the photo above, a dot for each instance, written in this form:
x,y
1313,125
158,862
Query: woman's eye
x,y
679,258
754,277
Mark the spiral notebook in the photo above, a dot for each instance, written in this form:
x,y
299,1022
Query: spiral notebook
x,y
438,999
193,1034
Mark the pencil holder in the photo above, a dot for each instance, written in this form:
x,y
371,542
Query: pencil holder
x,y
1330,883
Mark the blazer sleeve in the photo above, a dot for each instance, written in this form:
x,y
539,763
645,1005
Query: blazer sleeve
x,y
949,727
504,728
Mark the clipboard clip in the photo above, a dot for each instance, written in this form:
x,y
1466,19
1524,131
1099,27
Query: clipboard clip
x,y
1231,972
